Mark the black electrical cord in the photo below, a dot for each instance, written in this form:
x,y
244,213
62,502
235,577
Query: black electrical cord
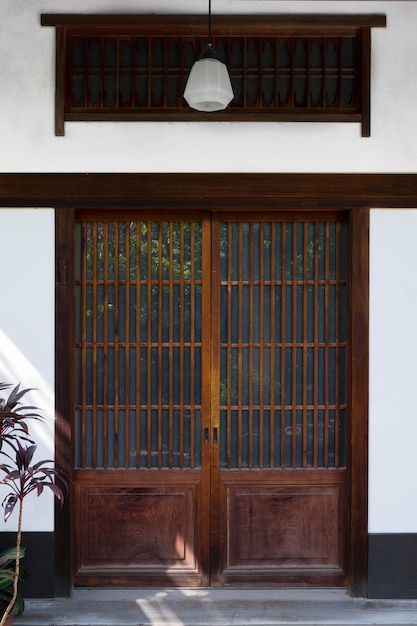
x,y
209,24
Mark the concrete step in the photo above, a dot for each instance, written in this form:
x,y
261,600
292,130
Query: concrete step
x,y
216,607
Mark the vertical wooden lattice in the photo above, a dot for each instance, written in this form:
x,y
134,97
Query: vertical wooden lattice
x,y
283,344
138,344
128,73
283,350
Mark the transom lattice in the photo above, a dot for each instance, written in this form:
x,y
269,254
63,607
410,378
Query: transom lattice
x,y
282,68
120,72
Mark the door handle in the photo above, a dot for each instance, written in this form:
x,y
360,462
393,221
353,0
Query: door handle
x,y
206,436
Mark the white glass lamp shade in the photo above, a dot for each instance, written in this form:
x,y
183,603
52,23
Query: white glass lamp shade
x,y
208,87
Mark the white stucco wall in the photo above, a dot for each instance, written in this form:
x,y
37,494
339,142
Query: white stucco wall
x,y
29,145
27,332
27,104
393,372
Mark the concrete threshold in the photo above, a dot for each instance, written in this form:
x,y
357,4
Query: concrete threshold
x,y
215,607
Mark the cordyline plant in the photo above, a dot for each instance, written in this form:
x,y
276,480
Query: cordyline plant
x,y
21,476
13,426
7,575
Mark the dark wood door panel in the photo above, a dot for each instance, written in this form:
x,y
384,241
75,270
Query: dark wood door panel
x,y
287,529
137,531
220,456
278,471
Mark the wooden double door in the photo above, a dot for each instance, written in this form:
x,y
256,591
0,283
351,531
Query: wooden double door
x,y
211,421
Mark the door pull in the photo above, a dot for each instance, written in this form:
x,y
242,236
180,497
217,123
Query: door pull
x,y
215,440
206,435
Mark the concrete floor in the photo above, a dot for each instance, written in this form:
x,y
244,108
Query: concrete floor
x,y
215,607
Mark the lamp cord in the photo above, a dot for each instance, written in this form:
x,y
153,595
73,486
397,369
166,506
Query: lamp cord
x,y
209,24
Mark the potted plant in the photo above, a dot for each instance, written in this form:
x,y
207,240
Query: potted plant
x,y
22,476
7,575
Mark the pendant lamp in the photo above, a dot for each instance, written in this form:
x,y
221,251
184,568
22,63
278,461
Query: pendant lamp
x,y
208,86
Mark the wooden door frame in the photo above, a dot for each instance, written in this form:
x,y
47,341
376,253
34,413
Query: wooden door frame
x,y
353,192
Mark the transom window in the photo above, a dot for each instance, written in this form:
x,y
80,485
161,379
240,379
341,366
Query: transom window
x,y
282,68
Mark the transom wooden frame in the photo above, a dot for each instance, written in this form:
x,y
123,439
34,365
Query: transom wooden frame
x,y
283,68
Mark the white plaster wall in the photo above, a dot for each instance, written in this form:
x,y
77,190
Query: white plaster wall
x,y
27,104
393,372
27,350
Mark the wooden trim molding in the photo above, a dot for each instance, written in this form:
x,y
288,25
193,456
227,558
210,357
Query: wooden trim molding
x,y
64,390
359,363
257,22
243,191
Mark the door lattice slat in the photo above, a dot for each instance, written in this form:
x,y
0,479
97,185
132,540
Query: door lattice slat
x,y
139,345
283,345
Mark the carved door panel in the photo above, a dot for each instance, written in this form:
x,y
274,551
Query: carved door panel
x,y
210,422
